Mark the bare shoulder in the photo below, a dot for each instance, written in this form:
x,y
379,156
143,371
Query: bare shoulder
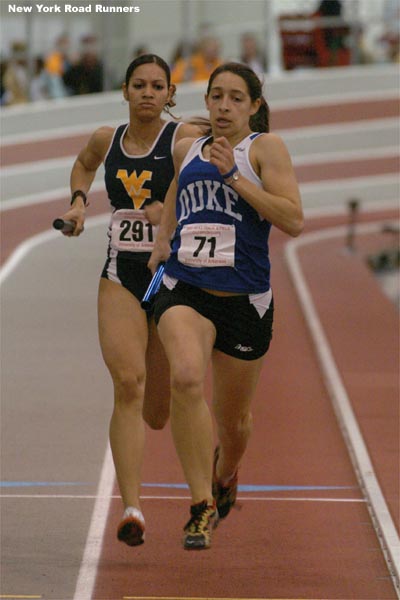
x,y
269,141
101,138
269,147
181,149
194,129
97,146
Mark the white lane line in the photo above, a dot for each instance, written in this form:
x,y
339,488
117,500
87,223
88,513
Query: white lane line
x,y
343,99
345,155
380,515
71,131
280,104
36,166
94,541
28,245
239,498
300,159
88,570
42,197
22,250
342,209
353,182
350,183
340,128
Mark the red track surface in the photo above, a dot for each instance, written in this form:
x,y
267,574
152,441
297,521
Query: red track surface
x,y
285,549
278,545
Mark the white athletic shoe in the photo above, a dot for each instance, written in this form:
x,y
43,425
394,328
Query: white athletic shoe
x,y
132,527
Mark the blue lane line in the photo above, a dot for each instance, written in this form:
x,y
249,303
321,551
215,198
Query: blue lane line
x,y
259,488
11,484
291,488
183,486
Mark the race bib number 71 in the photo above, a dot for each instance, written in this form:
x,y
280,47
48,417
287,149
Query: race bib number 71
x,y
207,245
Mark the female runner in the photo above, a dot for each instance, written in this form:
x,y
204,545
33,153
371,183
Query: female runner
x,y
138,165
216,302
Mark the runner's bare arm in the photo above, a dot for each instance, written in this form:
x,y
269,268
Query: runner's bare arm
x,y
161,250
89,159
83,172
279,200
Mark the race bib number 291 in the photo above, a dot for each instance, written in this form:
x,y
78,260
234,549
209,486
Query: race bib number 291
x,y
207,245
131,231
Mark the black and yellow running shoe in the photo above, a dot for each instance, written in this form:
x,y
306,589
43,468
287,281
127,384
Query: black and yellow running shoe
x,y
224,495
203,520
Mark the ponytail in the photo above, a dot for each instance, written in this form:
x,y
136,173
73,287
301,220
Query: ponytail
x,y
260,121
203,123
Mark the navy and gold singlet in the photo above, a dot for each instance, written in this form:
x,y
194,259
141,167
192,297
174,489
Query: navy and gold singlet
x,y
132,183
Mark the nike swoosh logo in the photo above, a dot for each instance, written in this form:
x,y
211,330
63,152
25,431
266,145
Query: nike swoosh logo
x,y
159,157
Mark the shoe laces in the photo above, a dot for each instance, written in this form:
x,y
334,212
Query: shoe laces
x,y
201,513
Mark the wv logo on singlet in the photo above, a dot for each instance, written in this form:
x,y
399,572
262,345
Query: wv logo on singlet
x,y
134,185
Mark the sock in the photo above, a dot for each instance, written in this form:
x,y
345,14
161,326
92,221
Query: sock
x,y
131,511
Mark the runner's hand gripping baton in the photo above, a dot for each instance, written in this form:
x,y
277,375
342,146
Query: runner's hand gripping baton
x,y
153,288
64,226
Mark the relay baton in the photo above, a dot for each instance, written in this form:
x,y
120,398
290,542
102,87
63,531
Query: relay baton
x,y
153,288
64,226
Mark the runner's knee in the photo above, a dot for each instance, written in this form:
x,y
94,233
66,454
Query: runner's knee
x,y
234,425
186,380
129,387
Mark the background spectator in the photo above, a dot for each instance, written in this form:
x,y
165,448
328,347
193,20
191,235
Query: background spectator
x,y
333,40
390,39
39,88
182,50
333,37
200,64
85,74
56,65
251,54
15,79
3,66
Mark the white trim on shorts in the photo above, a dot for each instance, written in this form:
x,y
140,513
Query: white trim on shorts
x,y
112,271
261,302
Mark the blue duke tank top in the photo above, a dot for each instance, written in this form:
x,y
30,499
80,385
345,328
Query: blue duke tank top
x,y
221,242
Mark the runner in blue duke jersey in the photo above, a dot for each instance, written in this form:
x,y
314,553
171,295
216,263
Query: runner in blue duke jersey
x,y
215,303
138,166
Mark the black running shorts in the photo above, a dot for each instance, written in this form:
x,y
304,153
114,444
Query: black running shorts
x,y
241,332
133,275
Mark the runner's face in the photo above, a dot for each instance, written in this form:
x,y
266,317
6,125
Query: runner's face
x,y
230,105
148,91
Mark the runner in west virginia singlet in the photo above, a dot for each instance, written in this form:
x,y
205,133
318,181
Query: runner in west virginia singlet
x,y
132,183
